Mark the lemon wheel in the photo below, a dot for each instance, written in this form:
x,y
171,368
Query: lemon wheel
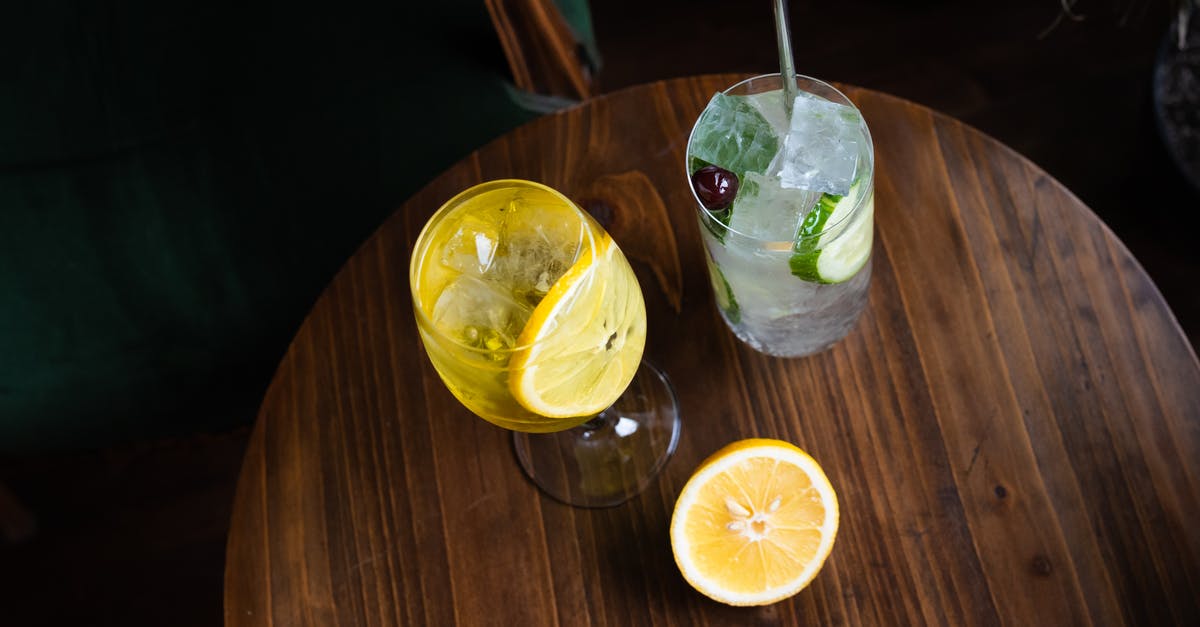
x,y
583,341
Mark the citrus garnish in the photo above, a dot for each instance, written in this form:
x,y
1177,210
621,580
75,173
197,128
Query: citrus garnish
x,y
838,255
584,340
754,523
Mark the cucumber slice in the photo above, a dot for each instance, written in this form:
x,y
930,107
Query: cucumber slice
x,y
723,293
834,257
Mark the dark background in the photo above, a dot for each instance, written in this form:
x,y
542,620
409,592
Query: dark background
x,y
134,534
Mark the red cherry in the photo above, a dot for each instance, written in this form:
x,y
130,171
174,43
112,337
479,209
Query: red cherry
x,y
715,186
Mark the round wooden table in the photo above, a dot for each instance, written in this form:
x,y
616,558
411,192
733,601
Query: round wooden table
x,y
1013,427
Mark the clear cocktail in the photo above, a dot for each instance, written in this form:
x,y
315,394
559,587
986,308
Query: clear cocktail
x,y
786,212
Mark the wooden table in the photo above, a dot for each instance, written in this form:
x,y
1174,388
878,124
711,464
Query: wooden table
x,y
1013,427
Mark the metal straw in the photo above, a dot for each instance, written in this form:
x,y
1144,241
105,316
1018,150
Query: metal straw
x,y
787,68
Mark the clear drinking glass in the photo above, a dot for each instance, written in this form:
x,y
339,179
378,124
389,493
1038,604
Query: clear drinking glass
x,y
791,295
534,320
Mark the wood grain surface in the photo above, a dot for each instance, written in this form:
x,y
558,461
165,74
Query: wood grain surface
x,y
1013,427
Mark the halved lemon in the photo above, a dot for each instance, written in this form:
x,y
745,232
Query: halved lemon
x,y
584,340
754,523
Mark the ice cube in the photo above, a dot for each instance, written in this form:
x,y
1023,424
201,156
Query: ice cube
x,y
732,134
530,261
764,209
820,151
519,247
769,104
480,313
472,248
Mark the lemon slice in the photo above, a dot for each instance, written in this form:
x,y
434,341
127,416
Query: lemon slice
x,y
584,340
754,523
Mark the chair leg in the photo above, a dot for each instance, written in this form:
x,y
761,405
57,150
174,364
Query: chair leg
x,y
16,523
540,47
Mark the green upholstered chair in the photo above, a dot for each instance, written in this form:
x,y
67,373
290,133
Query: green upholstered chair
x,y
178,182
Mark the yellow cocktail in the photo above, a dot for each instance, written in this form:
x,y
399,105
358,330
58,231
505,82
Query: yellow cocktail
x,y
534,320
527,308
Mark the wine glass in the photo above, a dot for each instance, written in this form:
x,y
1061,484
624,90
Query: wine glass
x,y
534,320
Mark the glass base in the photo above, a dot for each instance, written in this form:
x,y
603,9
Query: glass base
x,y
612,457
